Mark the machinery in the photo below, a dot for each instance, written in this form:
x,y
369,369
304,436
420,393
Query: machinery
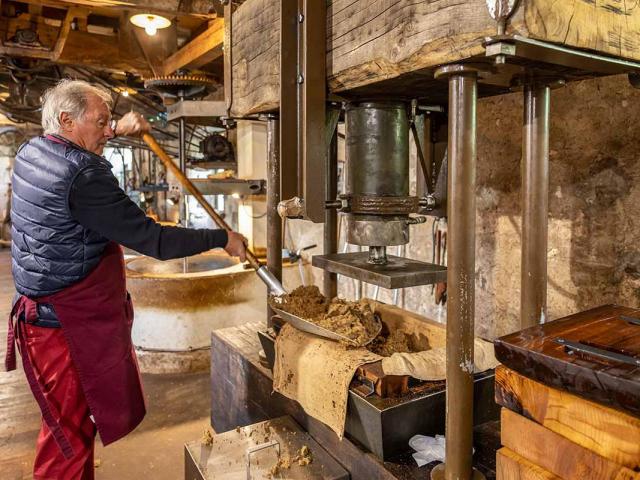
x,y
216,148
377,204
378,106
377,197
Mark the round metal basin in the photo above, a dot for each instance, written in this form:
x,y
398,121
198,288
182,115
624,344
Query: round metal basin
x,y
177,304
186,266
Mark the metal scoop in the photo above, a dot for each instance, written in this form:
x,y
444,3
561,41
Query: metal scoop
x,y
310,327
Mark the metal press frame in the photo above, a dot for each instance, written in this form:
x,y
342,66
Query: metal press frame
x,y
302,150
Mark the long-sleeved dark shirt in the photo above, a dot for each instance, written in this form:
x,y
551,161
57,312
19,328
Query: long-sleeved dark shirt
x,y
98,203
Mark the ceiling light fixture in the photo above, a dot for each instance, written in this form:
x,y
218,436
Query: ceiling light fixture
x,y
150,22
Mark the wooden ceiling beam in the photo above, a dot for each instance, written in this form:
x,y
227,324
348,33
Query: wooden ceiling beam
x,y
43,53
100,51
201,50
171,8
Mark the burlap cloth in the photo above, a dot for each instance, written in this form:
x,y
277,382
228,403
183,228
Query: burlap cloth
x,y
317,372
431,364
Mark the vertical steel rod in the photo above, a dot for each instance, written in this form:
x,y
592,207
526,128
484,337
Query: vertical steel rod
x,y
274,222
460,275
330,280
182,152
460,272
183,166
535,204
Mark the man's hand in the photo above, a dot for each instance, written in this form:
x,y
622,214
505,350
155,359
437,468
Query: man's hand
x,y
236,245
132,124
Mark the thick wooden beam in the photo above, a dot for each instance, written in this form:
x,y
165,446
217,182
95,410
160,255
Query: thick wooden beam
x,y
203,49
550,451
64,31
511,466
102,52
610,433
368,42
54,53
202,8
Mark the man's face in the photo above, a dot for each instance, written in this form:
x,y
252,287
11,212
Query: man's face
x,y
93,129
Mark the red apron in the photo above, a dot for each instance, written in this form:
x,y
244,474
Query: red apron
x,y
96,317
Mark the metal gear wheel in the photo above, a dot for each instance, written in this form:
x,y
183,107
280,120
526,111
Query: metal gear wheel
x,y
187,86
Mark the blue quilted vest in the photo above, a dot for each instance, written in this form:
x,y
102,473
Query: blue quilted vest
x,y
50,250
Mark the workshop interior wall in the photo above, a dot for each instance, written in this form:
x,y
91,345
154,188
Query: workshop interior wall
x,y
594,200
594,219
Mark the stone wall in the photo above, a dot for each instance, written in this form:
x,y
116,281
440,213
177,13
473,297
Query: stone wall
x,y
594,218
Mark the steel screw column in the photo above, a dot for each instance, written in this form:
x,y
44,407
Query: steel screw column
x,y
535,201
460,273
274,222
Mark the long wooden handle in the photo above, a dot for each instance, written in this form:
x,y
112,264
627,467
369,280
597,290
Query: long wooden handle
x,y
193,190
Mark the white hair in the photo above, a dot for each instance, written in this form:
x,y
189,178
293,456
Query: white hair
x,y
68,96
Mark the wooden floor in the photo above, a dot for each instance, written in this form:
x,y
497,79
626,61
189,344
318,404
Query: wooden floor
x,y
178,411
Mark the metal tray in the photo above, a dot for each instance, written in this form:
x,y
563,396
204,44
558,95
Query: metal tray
x,y
309,327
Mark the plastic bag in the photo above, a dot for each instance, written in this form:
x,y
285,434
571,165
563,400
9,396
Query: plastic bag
x,y
428,449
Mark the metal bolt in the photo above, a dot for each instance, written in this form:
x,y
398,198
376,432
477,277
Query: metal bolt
x,y
300,78
300,18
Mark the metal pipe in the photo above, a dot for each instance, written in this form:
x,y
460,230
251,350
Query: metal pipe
x,y
535,204
377,255
359,284
330,280
182,156
274,222
460,272
263,272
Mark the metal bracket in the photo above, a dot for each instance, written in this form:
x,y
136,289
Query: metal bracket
x,y
366,387
303,148
500,11
228,58
631,320
257,448
578,347
552,54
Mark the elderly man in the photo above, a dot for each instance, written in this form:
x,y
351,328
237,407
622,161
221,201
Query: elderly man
x,y
72,320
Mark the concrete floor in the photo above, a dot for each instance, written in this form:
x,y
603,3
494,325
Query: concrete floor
x,y
178,411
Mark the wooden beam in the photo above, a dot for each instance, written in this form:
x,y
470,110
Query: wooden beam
x,y
54,53
200,8
203,49
368,42
99,51
511,466
64,31
551,451
610,433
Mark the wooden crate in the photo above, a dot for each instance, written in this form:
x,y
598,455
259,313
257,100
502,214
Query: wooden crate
x,y
371,41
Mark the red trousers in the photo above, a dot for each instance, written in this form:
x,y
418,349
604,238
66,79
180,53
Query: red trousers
x,y
51,360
